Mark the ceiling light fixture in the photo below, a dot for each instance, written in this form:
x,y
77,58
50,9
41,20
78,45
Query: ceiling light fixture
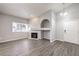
x,y
64,13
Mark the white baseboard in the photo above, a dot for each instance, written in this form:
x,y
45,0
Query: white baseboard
x,y
68,41
52,40
12,40
73,42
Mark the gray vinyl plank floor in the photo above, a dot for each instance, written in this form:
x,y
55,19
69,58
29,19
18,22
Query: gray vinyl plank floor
x,y
27,47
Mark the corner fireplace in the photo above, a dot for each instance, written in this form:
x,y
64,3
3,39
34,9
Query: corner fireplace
x,y
34,35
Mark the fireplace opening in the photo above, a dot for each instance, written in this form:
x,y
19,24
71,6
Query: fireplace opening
x,y
34,35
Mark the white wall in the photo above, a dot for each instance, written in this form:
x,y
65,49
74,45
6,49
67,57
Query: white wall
x,y
34,27
46,15
36,23
70,23
53,27
6,33
59,29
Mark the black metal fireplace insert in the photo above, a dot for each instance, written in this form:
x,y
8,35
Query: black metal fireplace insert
x,y
34,35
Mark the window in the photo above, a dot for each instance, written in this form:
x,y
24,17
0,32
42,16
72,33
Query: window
x,y
19,27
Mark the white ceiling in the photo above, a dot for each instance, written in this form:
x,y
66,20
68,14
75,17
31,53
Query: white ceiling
x,y
28,10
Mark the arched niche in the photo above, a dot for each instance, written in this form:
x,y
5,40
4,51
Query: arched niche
x,y
45,23
45,34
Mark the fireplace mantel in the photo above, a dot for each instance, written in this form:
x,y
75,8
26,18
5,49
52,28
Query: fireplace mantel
x,y
40,29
